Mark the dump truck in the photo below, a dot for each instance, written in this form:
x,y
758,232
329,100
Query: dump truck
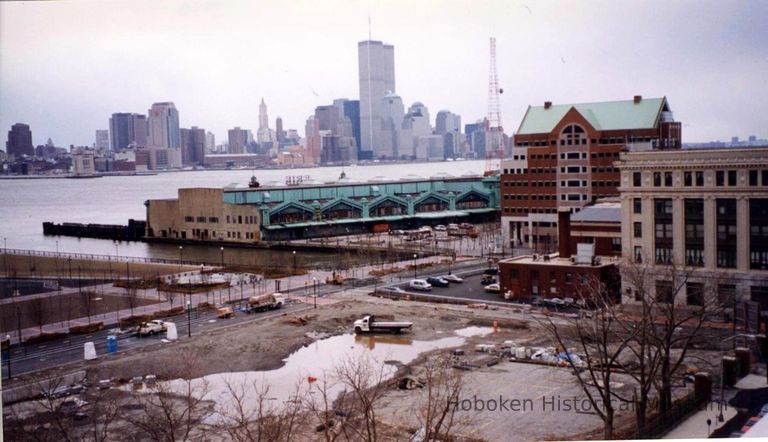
x,y
370,324
265,302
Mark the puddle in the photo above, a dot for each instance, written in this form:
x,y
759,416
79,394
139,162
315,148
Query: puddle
x,y
474,330
319,360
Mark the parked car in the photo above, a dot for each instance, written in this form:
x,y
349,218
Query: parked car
x,y
487,279
491,271
395,289
439,228
452,278
493,288
420,284
557,302
752,421
438,282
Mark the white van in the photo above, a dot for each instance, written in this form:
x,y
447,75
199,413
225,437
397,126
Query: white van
x,y
420,284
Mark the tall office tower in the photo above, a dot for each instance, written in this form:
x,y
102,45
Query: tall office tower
x,y
312,135
448,125
238,140
210,142
127,129
163,125
376,67
392,114
102,139
163,136
19,141
192,145
327,117
415,125
279,130
264,134
352,111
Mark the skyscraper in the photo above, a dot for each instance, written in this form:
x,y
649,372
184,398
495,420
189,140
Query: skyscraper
x,y
163,136
263,117
279,130
19,140
102,139
376,67
192,145
352,111
392,114
210,142
448,125
126,129
238,140
163,125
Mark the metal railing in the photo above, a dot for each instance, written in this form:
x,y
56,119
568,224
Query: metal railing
x,y
94,257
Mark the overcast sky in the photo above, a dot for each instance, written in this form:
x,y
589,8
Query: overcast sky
x,y
66,66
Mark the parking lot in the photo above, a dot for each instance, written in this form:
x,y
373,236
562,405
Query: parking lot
x,y
472,289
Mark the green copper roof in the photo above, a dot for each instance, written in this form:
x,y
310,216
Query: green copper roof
x,y
607,115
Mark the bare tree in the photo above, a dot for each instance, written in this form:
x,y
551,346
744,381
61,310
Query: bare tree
x,y
263,420
602,341
436,409
131,296
362,377
319,403
37,311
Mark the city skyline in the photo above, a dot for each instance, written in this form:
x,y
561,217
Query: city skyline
x,y
545,53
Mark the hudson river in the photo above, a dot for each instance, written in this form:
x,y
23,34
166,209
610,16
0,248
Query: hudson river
x,y
26,203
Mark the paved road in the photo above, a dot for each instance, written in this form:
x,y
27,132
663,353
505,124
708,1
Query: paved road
x,y
71,349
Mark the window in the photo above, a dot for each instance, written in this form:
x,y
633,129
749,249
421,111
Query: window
x,y
731,177
637,205
699,178
726,294
694,293
637,179
514,274
726,232
638,254
201,219
720,178
638,229
758,233
764,177
656,179
687,179
667,179
213,219
694,231
189,219
753,178
616,245
665,292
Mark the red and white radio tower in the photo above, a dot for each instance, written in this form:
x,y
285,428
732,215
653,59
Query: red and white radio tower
x,y
495,146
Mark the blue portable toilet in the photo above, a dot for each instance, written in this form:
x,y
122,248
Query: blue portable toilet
x,y
111,344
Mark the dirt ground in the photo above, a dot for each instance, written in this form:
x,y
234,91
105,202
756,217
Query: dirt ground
x,y
264,345
51,266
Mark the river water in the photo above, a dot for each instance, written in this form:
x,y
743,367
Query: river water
x,y
26,203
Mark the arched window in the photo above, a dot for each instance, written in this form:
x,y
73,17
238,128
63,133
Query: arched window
x,y
573,135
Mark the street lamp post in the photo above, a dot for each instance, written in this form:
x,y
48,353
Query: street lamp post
x,y
222,257
189,319
294,262
720,416
8,340
314,289
414,265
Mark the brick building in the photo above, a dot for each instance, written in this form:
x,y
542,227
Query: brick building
x,y
562,159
